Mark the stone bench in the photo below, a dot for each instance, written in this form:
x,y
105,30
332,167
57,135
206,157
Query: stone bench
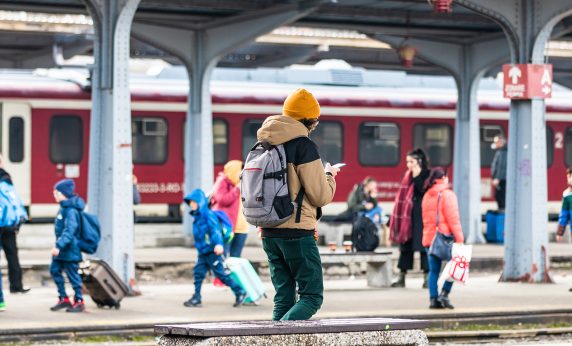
x,y
342,332
379,265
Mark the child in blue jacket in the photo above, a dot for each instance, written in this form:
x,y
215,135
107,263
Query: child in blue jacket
x,y
209,244
66,254
566,211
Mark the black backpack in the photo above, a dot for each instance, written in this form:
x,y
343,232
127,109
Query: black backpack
x,y
364,234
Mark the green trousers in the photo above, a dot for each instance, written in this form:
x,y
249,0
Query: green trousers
x,y
295,261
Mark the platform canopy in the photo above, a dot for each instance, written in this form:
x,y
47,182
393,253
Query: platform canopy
x,y
349,29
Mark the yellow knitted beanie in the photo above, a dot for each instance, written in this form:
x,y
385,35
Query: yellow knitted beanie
x,y
301,104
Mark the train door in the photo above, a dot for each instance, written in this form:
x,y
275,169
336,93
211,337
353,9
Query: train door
x,y
16,146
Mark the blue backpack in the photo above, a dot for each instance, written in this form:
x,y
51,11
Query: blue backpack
x,y
225,225
11,207
90,233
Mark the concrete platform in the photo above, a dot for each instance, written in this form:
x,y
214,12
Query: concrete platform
x,y
163,304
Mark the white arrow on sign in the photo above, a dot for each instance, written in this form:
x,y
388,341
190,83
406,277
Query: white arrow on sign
x,y
545,77
514,73
546,90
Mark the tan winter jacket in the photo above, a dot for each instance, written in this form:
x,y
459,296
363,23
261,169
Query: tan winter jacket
x,y
305,169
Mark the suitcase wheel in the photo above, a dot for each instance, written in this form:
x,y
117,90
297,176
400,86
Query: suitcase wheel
x,y
117,306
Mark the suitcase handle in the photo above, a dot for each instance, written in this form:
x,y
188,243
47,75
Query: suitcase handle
x,y
109,286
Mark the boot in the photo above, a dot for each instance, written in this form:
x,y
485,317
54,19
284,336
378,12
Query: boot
x,y
194,302
240,299
400,282
444,300
425,280
436,304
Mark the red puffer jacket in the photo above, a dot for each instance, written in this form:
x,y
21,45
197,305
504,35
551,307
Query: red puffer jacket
x,y
449,220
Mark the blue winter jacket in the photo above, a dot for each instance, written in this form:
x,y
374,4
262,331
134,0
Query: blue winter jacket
x,y
67,229
206,227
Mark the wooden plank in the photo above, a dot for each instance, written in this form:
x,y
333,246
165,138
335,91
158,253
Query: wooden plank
x,y
212,329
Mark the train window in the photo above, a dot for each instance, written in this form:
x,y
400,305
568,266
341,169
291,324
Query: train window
x,y
379,144
568,147
436,140
220,141
66,139
16,139
487,134
249,135
149,138
549,146
328,136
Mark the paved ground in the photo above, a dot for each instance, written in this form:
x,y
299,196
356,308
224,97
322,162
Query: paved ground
x,y
162,303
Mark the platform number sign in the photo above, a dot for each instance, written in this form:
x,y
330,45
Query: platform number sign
x,y
527,81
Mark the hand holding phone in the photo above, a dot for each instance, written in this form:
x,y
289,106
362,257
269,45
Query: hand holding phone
x,y
333,170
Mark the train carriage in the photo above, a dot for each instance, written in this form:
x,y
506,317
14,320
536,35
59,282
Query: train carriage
x,y
45,134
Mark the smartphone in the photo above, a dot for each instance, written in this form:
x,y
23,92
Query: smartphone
x,y
339,165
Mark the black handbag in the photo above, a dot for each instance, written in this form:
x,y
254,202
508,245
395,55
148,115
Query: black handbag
x,y
442,245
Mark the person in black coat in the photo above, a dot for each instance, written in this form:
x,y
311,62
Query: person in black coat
x,y
418,165
10,245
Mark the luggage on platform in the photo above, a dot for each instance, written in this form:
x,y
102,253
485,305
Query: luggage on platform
x,y
244,274
365,234
102,283
495,226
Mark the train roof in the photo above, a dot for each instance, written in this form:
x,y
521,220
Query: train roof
x,y
271,86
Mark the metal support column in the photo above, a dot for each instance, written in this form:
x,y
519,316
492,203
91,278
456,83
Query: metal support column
x,y
110,194
200,49
527,25
467,63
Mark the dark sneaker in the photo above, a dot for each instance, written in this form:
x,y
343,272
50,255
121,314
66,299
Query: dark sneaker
x,y
444,300
436,304
22,290
194,302
78,306
240,299
63,303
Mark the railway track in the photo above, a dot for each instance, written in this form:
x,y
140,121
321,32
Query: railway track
x,y
442,328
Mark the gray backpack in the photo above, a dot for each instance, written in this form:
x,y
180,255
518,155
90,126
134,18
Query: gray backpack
x,y
264,187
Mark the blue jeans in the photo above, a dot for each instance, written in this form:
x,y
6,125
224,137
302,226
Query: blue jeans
x,y
434,271
71,268
236,245
215,264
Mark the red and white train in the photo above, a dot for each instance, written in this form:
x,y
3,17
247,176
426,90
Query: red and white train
x,y
45,130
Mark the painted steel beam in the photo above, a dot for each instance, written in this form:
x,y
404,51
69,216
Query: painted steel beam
x,y
528,25
110,193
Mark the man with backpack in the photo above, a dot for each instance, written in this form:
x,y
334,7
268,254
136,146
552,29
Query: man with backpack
x,y
208,228
283,188
66,253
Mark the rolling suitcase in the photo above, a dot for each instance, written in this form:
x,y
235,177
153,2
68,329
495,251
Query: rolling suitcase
x,y
244,274
102,284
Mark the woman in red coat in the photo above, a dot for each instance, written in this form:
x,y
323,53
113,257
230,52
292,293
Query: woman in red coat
x,y
441,201
226,197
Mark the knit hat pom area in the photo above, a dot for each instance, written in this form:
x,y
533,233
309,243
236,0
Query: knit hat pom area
x,y
301,104
66,187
